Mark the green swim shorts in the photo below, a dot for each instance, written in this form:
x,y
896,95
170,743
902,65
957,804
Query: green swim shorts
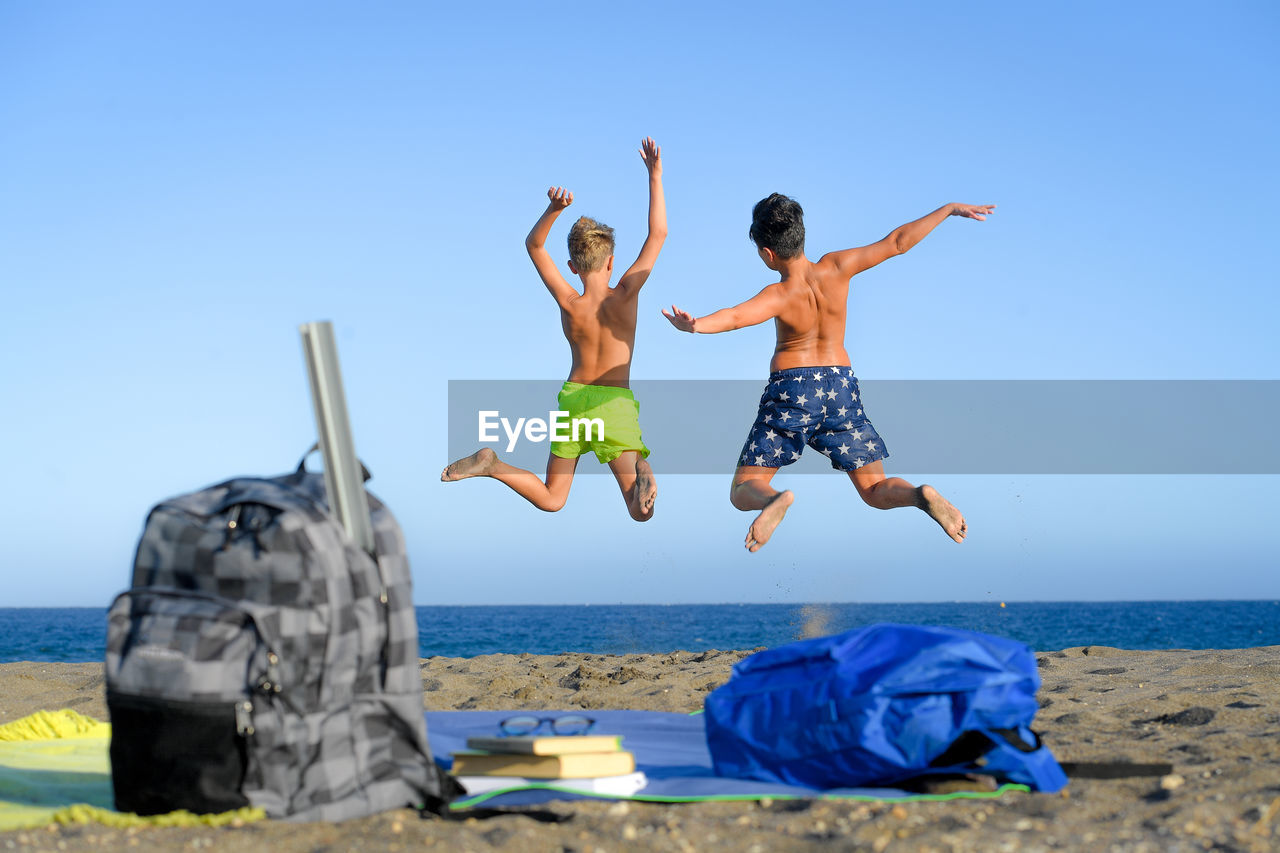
x,y
615,408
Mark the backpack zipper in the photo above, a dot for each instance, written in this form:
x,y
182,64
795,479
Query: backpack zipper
x,y
244,719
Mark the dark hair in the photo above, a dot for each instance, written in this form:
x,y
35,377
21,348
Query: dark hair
x,y
777,223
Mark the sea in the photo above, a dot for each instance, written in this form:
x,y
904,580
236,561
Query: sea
x,y
78,634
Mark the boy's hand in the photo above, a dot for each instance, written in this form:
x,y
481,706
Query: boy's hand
x,y
651,154
560,198
682,320
972,211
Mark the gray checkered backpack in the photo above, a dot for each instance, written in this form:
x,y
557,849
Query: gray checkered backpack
x,y
263,659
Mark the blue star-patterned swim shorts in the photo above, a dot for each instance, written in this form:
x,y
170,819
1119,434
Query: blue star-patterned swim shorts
x,y
817,406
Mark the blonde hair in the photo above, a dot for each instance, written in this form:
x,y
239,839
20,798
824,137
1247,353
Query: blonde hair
x,y
590,244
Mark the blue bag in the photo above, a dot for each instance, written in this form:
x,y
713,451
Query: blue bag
x,y
879,705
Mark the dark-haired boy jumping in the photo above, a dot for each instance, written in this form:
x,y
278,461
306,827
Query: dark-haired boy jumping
x,y
812,394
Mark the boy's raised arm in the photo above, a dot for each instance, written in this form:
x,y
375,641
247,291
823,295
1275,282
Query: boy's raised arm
x,y
638,273
850,262
536,243
765,305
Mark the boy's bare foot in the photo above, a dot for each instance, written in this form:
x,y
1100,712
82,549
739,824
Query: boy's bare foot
x,y
941,511
646,485
478,464
768,519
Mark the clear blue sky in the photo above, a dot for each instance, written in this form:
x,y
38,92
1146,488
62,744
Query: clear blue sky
x,y
181,185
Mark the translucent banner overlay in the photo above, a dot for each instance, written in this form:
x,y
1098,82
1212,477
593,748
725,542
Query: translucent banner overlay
x,y
929,426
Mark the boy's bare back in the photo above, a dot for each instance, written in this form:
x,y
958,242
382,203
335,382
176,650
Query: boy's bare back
x,y
811,321
600,326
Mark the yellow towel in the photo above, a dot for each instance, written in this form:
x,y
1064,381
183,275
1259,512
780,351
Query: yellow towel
x,y
51,725
55,768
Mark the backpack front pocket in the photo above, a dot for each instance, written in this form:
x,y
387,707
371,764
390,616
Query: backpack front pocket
x,y
184,672
168,755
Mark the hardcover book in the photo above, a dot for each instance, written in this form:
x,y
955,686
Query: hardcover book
x,y
572,766
547,745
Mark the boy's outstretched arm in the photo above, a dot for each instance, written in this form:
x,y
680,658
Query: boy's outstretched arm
x,y
850,262
638,273
765,305
536,243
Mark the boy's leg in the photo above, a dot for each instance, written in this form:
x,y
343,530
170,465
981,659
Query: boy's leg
x,y
549,496
752,490
635,479
883,492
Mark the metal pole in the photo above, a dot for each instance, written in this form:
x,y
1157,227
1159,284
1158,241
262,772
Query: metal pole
x,y
343,478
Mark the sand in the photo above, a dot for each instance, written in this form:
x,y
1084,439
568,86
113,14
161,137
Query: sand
x,y
1213,715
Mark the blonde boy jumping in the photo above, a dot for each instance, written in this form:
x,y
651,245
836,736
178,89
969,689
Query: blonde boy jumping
x,y
600,325
812,395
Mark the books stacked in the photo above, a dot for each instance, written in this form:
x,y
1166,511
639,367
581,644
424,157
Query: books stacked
x,y
589,763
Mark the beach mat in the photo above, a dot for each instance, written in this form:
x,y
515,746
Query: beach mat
x,y
55,767
671,751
